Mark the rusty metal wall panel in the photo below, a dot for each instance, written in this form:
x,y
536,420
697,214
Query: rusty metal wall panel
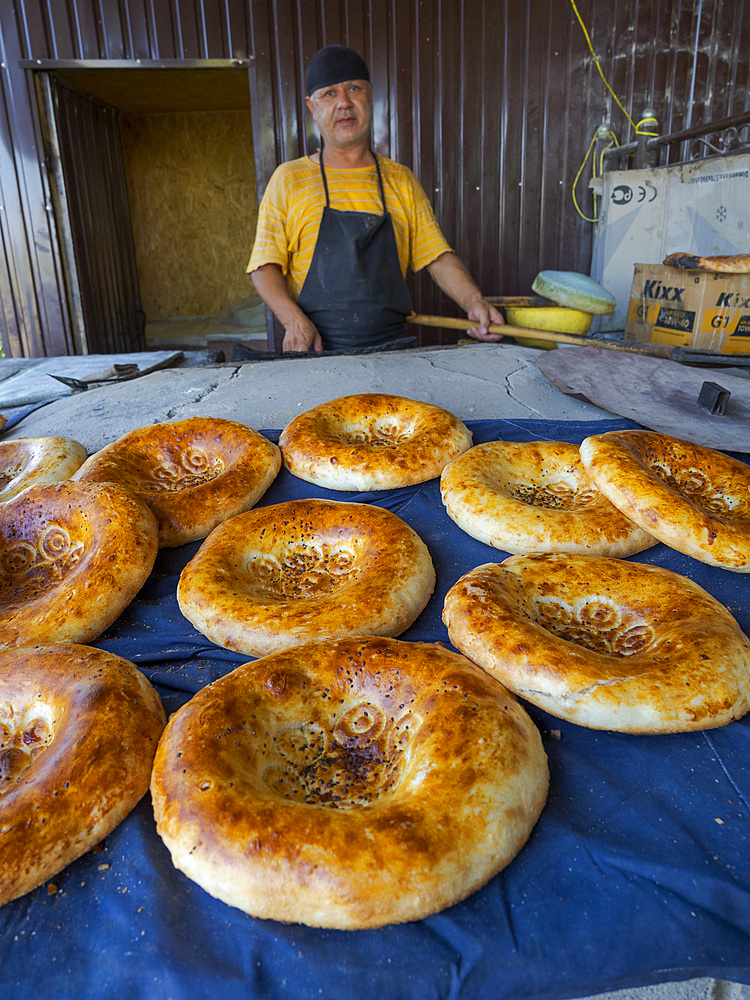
x,y
133,29
92,162
34,312
491,102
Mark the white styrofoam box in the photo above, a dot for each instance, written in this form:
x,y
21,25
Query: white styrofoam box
x,y
701,208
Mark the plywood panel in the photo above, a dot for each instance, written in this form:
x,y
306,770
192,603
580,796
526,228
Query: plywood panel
x,y
194,208
158,91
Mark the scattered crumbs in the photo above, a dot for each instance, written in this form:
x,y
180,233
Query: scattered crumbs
x,y
555,734
51,888
140,909
719,821
103,867
99,848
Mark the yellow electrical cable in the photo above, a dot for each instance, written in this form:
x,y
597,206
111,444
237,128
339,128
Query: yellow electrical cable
x,y
575,182
598,66
609,145
594,174
640,131
636,127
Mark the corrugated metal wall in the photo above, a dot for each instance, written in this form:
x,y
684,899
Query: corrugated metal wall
x,y
100,225
492,102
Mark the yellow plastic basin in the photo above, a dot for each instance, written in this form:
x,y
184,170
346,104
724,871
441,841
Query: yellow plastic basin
x,y
555,319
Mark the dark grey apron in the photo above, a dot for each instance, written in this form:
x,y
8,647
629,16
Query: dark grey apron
x,y
354,292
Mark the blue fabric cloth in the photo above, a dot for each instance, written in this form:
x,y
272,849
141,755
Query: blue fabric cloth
x,y
637,871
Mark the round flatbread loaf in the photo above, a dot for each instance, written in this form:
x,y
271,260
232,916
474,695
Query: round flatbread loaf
x,y
78,733
372,442
72,557
304,571
605,643
738,263
192,473
30,461
348,784
694,499
535,497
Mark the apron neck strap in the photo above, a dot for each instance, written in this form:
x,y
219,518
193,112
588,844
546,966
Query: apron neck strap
x,y
325,182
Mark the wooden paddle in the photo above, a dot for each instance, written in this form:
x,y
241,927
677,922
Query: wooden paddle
x,y
451,323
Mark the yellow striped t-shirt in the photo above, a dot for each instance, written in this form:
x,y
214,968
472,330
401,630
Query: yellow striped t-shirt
x,y
292,206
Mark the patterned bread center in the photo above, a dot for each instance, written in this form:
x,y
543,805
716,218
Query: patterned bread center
x,y
382,434
23,736
694,485
304,570
35,566
553,496
594,623
191,468
355,763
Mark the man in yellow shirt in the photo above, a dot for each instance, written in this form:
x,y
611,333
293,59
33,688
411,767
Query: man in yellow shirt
x,y
338,230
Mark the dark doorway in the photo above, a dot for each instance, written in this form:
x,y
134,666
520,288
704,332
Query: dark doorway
x,y
153,180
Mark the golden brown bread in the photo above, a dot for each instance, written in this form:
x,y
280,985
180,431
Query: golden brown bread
x,y
30,461
605,643
372,441
78,732
535,497
306,570
348,784
738,263
72,557
192,473
694,499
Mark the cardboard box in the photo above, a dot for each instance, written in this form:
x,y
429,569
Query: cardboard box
x,y
681,308
701,207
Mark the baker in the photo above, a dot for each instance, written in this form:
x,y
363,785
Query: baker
x,y
338,230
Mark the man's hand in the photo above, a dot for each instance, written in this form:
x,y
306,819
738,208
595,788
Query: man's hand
x,y
483,314
301,335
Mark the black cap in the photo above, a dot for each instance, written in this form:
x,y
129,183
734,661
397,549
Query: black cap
x,y
334,64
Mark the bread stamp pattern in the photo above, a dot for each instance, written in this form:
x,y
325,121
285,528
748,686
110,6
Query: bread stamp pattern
x,y
353,764
385,435
21,739
304,570
694,485
594,624
554,496
195,467
32,567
